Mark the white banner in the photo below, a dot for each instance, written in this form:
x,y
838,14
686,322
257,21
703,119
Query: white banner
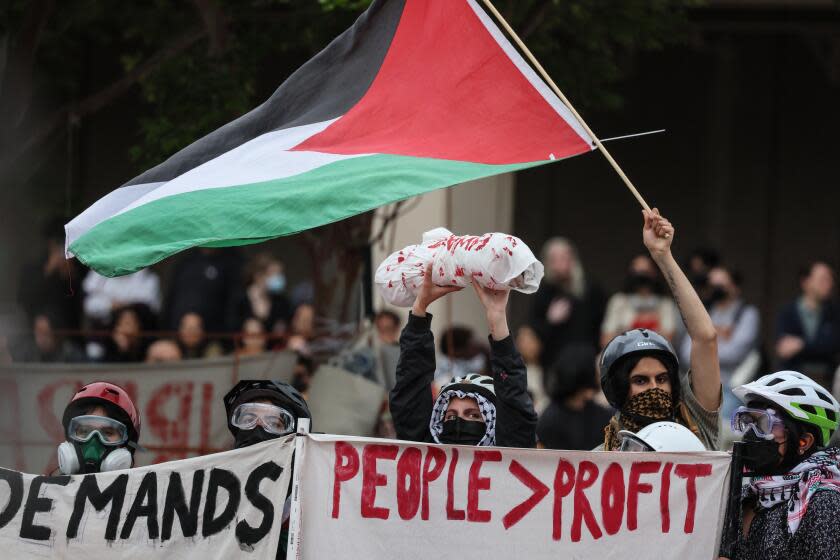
x,y
218,506
367,498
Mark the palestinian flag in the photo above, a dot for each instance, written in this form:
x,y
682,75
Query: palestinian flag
x,y
417,95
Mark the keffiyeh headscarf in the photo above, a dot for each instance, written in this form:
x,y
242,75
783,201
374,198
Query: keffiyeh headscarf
x,y
820,471
487,408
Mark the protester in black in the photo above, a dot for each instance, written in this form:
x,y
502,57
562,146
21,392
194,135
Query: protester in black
x,y
262,410
791,502
501,403
573,420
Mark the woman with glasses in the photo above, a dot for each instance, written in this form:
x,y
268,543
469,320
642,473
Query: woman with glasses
x,y
791,500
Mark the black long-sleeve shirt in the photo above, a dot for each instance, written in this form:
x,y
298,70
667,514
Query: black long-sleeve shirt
x,y
411,397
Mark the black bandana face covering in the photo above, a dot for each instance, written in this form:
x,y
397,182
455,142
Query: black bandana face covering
x,y
244,438
462,432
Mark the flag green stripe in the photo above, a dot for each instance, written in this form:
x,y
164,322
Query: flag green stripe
x,y
244,214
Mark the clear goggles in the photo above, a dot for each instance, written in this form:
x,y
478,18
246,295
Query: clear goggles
x,y
109,431
274,419
632,443
764,423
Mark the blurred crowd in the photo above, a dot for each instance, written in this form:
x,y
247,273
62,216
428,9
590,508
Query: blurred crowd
x,y
218,303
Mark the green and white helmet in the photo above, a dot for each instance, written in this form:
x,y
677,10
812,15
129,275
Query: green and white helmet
x,y
799,396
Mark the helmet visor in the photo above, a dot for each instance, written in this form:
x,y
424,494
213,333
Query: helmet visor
x,y
763,422
274,419
109,431
630,442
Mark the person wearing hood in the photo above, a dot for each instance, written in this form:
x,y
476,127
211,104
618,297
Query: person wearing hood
x,y
791,495
101,430
471,409
261,410
639,369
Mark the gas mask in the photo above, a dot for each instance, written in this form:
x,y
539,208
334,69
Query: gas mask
x,y
92,457
94,444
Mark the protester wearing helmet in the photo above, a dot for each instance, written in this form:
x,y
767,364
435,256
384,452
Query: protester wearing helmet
x,y
101,429
661,437
640,374
472,409
263,409
791,503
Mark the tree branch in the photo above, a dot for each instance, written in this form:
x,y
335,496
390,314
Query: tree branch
x,y
94,102
17,84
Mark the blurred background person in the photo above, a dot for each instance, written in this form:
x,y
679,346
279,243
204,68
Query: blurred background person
x,y
264,297
207,282
641,304
738,328
192,338
808,328
530,348
700,261
573,419
302,331
568,307
387,324
103,295
459,354
162,351
253,339
47,283
47,346
127,342
303,373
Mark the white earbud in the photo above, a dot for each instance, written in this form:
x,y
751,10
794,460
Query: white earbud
x,y
68,461
116,460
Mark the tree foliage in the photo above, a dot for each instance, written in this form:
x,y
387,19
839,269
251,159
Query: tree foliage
x,y
195,65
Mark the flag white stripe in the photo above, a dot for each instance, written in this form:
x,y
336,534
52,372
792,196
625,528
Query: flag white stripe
x,y
103,209
266,157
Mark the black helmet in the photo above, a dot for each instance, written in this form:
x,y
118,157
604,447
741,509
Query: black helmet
x,y
641,343
282,393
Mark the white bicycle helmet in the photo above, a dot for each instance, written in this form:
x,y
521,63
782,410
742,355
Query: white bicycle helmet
x,y
470,383
661,437
799,396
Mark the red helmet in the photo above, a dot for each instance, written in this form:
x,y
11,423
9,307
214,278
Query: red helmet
x,y
113,398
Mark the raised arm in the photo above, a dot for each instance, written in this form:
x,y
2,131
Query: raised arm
x,y
516,420
411,398
658,234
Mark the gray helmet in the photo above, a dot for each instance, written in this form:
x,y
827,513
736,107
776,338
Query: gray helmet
x,y
638,342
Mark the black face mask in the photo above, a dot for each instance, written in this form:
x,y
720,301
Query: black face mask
x,y
762,457
244,438
717,294
636,282
462,432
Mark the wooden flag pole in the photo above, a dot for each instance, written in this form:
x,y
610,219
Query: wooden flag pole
x,y
565,101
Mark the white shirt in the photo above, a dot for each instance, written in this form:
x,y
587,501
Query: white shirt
x,y
101,292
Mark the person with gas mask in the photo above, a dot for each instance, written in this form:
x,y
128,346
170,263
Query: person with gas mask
x,y
639,370
261,410
472,409
791,495
101,429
